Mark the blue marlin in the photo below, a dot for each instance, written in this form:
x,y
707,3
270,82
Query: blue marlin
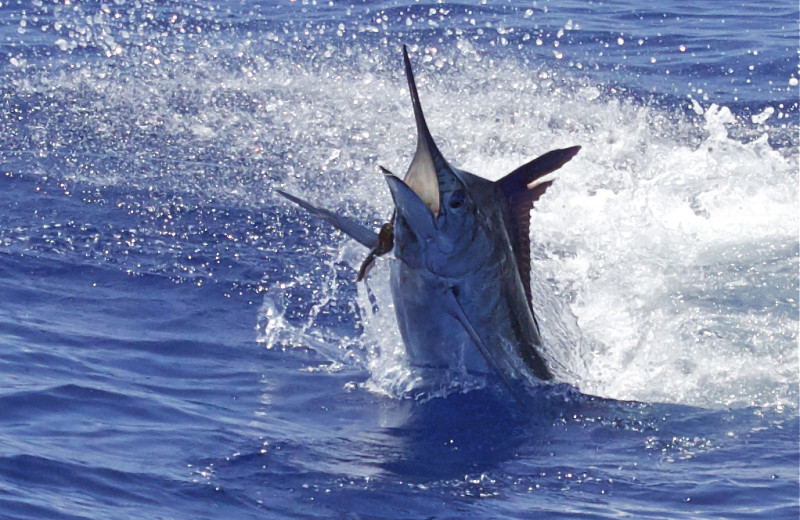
x,y
460,280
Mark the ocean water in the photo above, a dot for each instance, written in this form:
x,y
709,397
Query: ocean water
x,y
176,341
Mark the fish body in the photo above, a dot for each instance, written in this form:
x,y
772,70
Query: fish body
x,y
460,280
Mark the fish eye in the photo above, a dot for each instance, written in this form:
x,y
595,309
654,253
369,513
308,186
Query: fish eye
x,y
457,199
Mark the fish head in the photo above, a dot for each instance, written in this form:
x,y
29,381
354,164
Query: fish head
x,y
436,216
431,231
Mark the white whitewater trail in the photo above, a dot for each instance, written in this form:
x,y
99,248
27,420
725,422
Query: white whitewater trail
x,y
665,255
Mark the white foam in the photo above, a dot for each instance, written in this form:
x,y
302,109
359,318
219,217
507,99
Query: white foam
x,y
654,259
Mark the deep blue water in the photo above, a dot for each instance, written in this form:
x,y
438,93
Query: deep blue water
x,y
178,342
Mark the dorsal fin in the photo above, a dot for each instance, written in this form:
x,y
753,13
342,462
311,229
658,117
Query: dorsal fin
x,y
521,190
421,176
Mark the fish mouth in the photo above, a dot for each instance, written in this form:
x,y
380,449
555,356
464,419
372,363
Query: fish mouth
x,y
411,206
422,179
422,175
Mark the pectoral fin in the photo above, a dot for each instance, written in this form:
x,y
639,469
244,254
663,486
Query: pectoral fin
x,y
455,310
349,226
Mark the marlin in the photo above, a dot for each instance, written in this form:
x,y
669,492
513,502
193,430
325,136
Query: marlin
x,y
460,279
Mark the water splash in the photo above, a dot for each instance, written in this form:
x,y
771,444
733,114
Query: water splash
x,y
665,255
676,258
